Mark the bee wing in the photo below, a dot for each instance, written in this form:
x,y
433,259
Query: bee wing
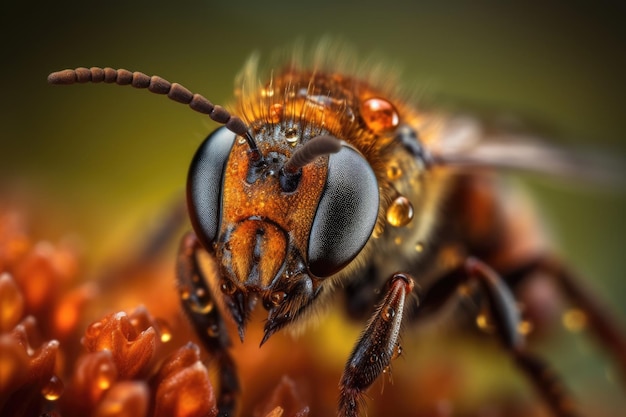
x,y
467,144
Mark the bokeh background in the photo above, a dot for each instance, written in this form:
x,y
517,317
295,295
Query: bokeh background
x,y
101,162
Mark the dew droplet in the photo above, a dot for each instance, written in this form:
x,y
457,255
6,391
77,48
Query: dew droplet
x,y
278,297
419,247
53,389
574,320
291,133
292,141
387,313
213,330
228,287
164,329
525,327
105,376
482,321
394,172
373,358
200,292
396,352
185,293
379,114
202,307
400,212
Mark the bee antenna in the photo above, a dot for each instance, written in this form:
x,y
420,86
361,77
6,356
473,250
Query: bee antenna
x,y
309,151
158,85
304,155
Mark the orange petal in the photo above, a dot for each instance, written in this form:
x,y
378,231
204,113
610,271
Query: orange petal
x,y
184,389
11,303
125,399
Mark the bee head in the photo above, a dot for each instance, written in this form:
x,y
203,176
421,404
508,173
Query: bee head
x,y
280,224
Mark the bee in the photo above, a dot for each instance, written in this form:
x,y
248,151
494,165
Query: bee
x,y
324,180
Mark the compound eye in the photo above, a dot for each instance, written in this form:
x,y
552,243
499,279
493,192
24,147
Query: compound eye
x,y
204,184
346,213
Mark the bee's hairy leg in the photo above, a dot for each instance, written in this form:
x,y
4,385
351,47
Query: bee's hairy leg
x,y
506,319
200,307
376,347
600,322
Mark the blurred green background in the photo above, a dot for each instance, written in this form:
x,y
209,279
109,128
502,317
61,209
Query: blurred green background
x,y
99,160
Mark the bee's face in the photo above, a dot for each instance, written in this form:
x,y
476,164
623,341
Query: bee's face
x,y
277,235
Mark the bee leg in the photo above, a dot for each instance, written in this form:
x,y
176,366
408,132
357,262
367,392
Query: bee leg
x,y
600,321
376,347
504,313
198,303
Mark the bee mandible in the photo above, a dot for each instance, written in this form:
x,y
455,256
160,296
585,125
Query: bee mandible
x,y
322,182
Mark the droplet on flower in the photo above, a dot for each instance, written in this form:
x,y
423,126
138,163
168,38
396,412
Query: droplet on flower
x,y
53,389
164,330
105,375
400,212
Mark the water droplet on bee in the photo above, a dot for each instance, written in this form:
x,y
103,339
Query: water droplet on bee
x,y
379,114
278,297
291,133
396,352
373,358
228,287
525,327
483,322
400,212
574,320
419,247
388,313
200,292
213,330
202,307
394,172
53,389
